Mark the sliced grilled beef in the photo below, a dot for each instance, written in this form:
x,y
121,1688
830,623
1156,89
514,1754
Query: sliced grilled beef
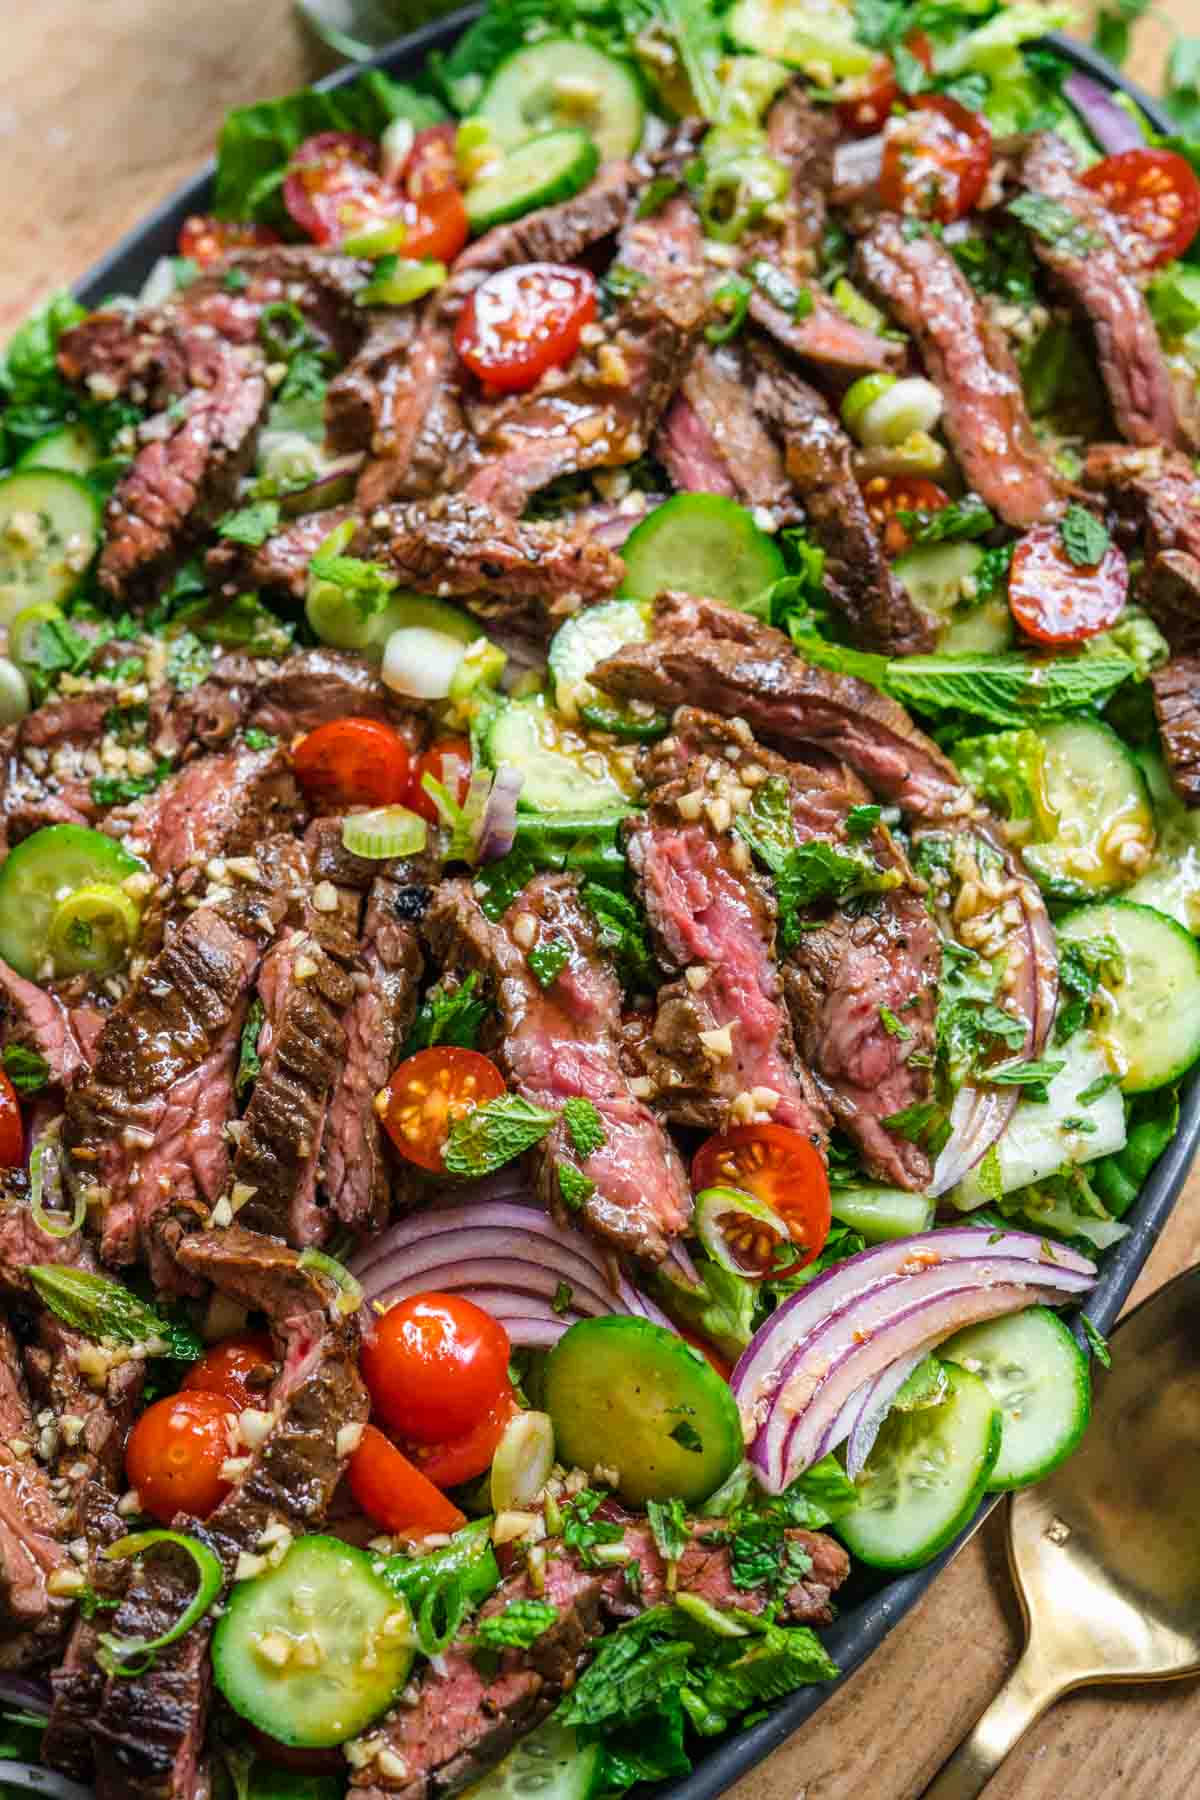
x,y
420,436
32,1548
221,805
316,685
1099,278
78,1685
150,1728
23,1243
602,410
562,1041
712,440
280,566
359,401
721,1049
207,716
525,576
707,655
45,766
320,284
1155,497
817,456
89,1423
985,416
35,1019
146,1129
1177,708
466,1718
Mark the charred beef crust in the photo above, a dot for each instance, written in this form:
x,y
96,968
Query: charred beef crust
x,y
712,440
1177,708
316,685
817,457
220,805
1100,280
320,284
280,566
32,1527
968,358
78,1685
1155,500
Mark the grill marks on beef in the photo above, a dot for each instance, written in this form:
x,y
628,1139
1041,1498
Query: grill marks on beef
x,y
817,457
1177,709
712,440
1155,495
78,1685
712,915
32,1621
219,805
465,1720
1101,282
985,416
560,1042
150,1729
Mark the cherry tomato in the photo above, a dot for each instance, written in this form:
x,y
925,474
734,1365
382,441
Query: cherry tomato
x,y
12,1131
436,228
887,495
865,102
429,1093
447,761
431,165
394,1493
205,239
522,321
1055,600
334,187
435,1366
712,1356
353,762
463,1458
240,1368
778,1166
176,1452
936,159
1155,195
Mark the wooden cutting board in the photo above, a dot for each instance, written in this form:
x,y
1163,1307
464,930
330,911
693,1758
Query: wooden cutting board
x,y
86,151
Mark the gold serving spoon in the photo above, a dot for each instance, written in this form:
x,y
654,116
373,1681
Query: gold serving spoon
x,y
1106,1551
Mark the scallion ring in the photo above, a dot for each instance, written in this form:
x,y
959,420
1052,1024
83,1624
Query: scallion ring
x,y
349,1287
115,1654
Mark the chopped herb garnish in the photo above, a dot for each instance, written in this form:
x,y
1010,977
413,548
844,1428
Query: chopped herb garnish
x,y
494,1134
251,525
575,1187
564,1293
862,820
236,281
656,193
892,1025
732,299
119,790
448,1016
257,739
1089,1095
548,960
249,1062
1055,223
668,1523
520,1624
622,283
1084,537
27,1069
581,1533
584,1126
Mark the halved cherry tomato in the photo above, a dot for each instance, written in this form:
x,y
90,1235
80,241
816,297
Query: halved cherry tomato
x,y
524,320
778,1166
435,1366
436,227
712,1356
334,187
448,761
887,495
1056,601
204,239
12,1131
241,1368
353,762
175,1454
430,166
865,102
1155,195
936,159
394,1493
429,1093
463,1458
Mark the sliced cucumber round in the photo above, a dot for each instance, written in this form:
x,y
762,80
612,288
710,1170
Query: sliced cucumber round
x,y
925,1476
631,1396
1172,882
940,578
1148,1003
587,639
72,448
562,82
882,1213
1039,1378
816,36
40,876
49,532
337,620
1105,832
562,773
313,1650
549,1764
541,172
703,544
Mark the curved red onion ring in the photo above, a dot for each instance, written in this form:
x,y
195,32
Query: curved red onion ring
x,y
1113,128
874,1410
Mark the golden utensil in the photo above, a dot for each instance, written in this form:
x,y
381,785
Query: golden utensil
x,y
1106,1550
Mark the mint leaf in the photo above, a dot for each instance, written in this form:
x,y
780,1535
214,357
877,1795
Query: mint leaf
x,y
101,1308
548,960
251,525
1089,1095
1008,690
582,1534
367,586
448,1016
1084,537
26,1069
669,1526
575,1187
520,1624
968,518
255,738
583,1125
1055,224
494,1134
862,820
918,1123
249,1066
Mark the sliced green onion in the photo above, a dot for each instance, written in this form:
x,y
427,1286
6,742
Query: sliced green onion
x,y
14,692
115,1654
856,307
93,930
731,298
740,182
523,1461
55,1225
282,330
861,394
384,831
349,1286
385,240
399,281
905,409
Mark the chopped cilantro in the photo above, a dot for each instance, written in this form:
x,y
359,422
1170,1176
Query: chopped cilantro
x,y
256,738
862,820
119,790
251,525
582,1534
448,1016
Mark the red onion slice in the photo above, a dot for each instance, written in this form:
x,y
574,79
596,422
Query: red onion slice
x,y
499,826
1113,128
874,1410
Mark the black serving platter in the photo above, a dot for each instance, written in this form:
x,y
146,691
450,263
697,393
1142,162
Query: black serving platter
x,y
871,1605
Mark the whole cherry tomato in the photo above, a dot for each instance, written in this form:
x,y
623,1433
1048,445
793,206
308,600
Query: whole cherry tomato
x,y
1155,195
241,1368
429,1092
205,239
865,102
175,1454
936,159
524,320
1058,601
12,1131
353,762
463,1458
447,761
394,1493
435,1366
887,495
778,1166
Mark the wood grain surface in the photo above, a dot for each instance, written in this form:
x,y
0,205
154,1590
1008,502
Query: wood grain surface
x,y
105,106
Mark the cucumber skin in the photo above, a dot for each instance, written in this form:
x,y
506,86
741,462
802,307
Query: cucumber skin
x,y
570,182
498,113
1063,889
1083,1396
1179,1069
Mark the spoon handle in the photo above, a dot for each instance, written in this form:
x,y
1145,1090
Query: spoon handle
x,y
1029,1690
